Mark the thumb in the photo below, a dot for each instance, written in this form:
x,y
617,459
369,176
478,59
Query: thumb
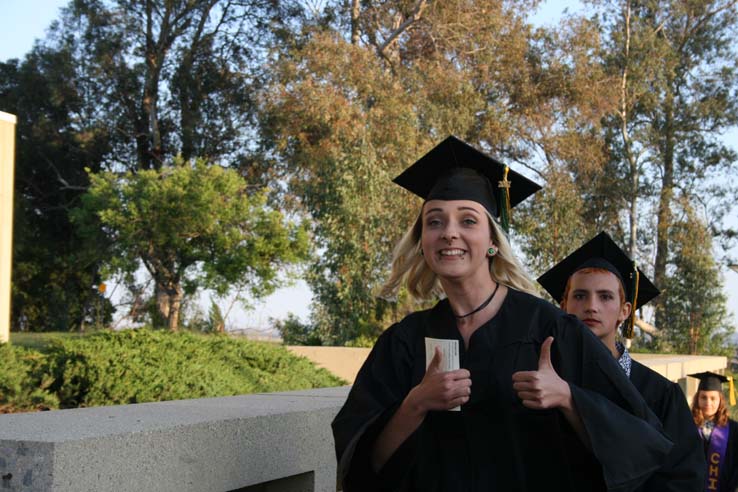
x,y
435,363
544,360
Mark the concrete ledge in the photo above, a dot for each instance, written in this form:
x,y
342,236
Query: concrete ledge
x,y
212,444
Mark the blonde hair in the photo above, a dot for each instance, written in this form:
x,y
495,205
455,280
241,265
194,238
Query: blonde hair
x,y
409,266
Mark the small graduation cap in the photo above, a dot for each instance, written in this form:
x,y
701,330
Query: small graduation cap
x,y
602,252
454,170
711,381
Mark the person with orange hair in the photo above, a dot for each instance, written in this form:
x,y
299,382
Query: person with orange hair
x,y
599,284
718,432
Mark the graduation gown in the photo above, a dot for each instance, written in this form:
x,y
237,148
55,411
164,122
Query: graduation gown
x,y
728,473
495,443
684,468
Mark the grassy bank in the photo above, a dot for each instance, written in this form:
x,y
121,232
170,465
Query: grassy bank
x,y
47,371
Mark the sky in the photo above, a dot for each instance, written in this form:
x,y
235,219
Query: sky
x,y
24,21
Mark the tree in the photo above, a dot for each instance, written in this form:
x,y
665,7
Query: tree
x,y
171,77
696,320
190,225
673,112
350,105
122,84
55,271
341,141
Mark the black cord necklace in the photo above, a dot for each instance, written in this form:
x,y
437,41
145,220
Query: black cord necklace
x,y
481,306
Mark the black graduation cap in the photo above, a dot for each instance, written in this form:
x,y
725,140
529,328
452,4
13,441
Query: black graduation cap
x,y
711,381
454,170
602,252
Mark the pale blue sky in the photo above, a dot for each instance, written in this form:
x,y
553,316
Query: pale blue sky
x,y
24,21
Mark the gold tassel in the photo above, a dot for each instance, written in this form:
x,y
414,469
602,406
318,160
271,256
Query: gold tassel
x,y
505,202
629,329
732,391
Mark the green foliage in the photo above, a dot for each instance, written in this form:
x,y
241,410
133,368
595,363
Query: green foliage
x,y
54,269
216,321
172,78
190,224
23,384
344,118
357,131
134,366
552,223
295,332
696,320
118,84
330,107
666,133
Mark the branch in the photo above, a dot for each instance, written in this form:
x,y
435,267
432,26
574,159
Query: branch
x,y
60,179
648,328
417,13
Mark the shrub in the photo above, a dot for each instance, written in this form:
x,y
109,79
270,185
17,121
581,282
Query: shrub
x,y
134,366
295,332
22,385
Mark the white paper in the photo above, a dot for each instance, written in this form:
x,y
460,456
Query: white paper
x,y
449,355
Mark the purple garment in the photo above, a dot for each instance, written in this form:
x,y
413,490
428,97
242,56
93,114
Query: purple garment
x,y
717,445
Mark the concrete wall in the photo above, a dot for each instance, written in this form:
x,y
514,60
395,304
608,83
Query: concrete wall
x,y
677,367
275,442
345,362
7,170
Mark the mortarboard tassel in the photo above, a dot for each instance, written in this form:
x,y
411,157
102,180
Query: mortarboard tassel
x,y
628,333
731,388
504,205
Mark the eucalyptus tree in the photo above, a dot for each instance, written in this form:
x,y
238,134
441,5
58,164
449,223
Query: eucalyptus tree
x,y
677,62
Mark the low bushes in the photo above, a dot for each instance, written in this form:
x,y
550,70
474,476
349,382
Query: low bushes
x,y
134,366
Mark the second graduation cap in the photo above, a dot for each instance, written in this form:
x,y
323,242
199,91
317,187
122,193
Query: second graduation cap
x,y
711,381
601,252
454,170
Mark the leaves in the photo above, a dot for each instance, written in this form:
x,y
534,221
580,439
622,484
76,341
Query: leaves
x,y
191,222
136,366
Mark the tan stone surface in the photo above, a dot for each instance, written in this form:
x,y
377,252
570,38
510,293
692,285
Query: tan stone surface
x,y
7,168
344,362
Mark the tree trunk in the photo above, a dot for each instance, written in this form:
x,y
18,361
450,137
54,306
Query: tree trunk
x,y
355,10
627,147
151,153
189,91
162,301
175,303
664,212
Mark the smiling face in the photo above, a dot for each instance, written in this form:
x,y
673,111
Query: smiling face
x,y
709,402
455,239
595,298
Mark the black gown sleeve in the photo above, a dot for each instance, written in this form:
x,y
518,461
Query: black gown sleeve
x,y
685,467
381,384
625,436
